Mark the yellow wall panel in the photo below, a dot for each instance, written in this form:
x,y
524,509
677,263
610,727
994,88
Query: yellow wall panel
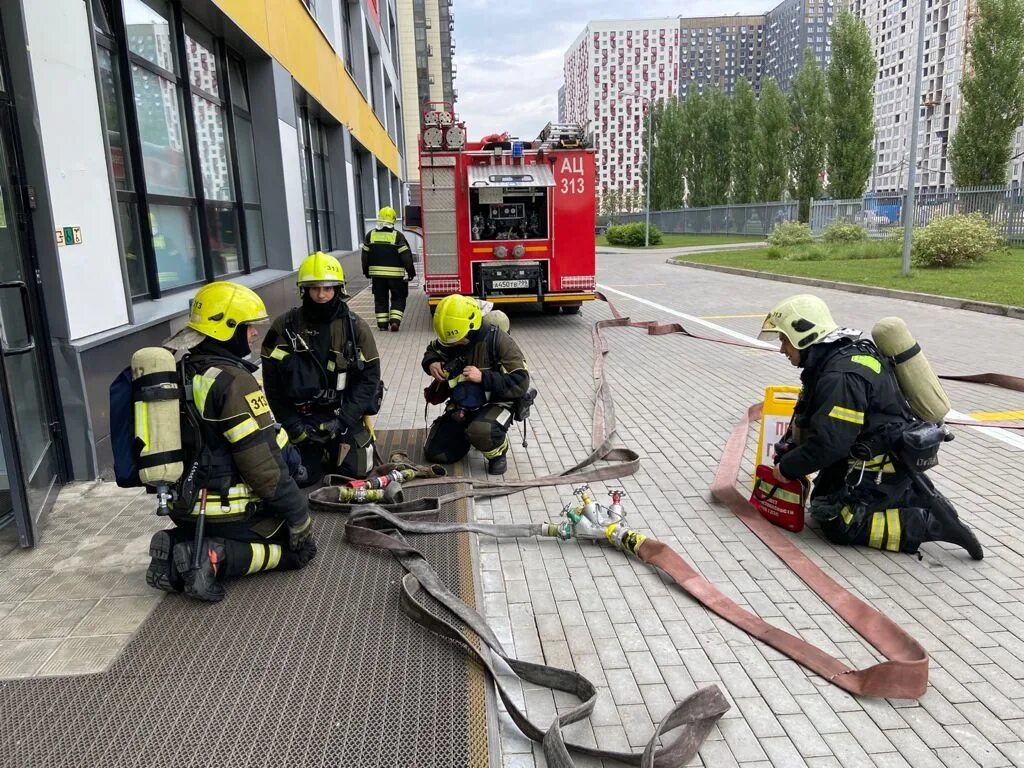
x,y
285,30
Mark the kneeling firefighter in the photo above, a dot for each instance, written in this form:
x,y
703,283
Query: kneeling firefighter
x,y
481,372
321,371
236,487
854,426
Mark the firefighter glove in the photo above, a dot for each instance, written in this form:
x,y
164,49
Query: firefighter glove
x,y
301,535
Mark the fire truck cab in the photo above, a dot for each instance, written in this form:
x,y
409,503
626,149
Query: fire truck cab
x,y
507,221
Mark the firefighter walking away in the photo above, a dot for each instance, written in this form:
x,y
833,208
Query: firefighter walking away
x,y
387,261
854,426
236,508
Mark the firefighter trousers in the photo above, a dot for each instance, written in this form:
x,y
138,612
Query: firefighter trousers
x,y
389,297
354,448
452,434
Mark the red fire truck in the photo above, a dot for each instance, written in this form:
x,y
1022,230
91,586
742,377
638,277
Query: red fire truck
x,y
508,221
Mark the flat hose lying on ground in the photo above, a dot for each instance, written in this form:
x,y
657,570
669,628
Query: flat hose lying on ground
x,y
904,674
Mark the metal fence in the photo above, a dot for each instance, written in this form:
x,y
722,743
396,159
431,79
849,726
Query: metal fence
x,y
882,215
749,219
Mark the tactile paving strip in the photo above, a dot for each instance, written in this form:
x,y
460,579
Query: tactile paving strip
x,y
310,668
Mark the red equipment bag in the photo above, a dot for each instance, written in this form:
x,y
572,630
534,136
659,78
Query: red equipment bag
x,y
781,504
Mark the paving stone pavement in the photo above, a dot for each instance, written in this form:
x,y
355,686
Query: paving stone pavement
x,y
642,641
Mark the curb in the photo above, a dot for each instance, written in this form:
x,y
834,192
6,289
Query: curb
x,y
971,305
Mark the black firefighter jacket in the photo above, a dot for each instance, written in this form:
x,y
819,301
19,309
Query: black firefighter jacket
x,y
850,395
386,253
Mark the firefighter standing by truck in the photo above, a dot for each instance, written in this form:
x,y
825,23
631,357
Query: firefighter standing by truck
x,y
387,261
848,425
482,374
321,371
235,480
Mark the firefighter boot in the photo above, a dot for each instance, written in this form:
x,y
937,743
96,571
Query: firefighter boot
x,y
395,325
382,327
949,528
497,465
161,573
201,583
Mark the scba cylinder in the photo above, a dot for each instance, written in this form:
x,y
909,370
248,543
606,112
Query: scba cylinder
x,y
157,400
916,377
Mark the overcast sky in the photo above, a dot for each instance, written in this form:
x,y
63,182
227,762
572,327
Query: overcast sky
x,y
509,55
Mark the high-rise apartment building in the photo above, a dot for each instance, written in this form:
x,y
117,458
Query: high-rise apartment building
x,y
612,70
661,58
893,28
428,72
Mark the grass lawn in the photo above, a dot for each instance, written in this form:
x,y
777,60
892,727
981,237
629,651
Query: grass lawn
x,y
682,241
999,279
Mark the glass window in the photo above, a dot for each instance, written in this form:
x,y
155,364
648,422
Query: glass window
x,y
246,159
174,104
160,132
256,247
149,31
211,137
133,254
225,248
110,88
202,62
174,241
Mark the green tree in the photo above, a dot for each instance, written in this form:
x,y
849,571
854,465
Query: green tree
x,y
993,94
808,111
695,163
773,130
851,79
667,171
745,144
717,129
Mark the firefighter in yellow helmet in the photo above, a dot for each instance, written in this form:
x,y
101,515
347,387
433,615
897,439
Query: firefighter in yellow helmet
x,y
387,261
321,371
483,372
256,517
850,424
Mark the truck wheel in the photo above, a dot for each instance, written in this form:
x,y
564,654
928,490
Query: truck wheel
x,y
550,309
571,309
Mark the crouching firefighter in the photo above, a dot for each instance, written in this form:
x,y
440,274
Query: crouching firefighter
x,y
322,375
236,508
481,373
853,425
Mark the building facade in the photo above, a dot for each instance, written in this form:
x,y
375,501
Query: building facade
x,y
893,26
655,59
152,146
428,70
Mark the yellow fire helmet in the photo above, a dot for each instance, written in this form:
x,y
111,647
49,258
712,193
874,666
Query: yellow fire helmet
x,y
321,270
455,317
803,319
387,215
219,308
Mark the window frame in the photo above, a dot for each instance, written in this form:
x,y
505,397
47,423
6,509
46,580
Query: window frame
x,y
123,60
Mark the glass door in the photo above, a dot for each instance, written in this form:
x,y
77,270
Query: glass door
x,y
30,456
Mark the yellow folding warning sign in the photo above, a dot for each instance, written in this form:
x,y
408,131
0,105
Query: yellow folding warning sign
x,y
777,412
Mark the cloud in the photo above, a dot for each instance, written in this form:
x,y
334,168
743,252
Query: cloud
x,y
509,57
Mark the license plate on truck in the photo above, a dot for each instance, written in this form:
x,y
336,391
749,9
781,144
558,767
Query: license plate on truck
x,y
510,284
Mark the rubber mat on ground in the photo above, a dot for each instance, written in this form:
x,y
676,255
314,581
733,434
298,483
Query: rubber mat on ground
x,y
316,667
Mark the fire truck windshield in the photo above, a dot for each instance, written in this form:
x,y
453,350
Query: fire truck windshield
x,y
504,213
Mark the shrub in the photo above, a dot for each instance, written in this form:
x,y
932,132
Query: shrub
x,y
955,240
775,253
790,233
839,231
631,235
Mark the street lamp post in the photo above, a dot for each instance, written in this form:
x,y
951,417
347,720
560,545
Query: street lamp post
x,y
908,203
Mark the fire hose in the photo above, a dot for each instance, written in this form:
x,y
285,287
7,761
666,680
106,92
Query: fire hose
x,y
904,674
